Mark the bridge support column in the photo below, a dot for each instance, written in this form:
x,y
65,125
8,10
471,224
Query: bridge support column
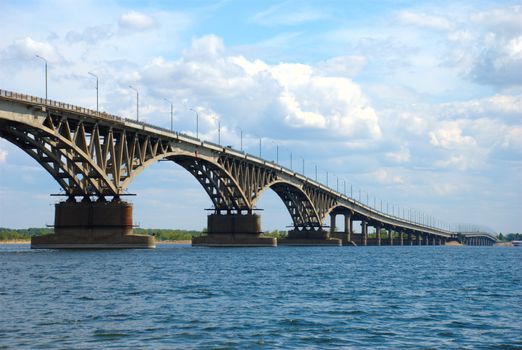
x,y
401,237
378,232
364,227
348,228
92,225
390,236
433,240
409,242
234,230
419,240
332,222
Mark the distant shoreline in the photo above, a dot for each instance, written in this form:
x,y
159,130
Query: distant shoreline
x,y
27,241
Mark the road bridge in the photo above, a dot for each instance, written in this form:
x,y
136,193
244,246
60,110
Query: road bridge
x,y
95,156
476,238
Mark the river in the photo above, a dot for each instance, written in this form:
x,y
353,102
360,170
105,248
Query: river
x,y
268,298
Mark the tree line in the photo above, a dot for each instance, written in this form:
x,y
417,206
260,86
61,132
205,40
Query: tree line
x,y
7,234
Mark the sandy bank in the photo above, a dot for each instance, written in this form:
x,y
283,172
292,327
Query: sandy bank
x,y
174,242
453,243
16,241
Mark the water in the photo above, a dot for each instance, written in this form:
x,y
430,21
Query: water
x,y
285,297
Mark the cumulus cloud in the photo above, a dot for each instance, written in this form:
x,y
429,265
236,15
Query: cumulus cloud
x,y
135,20
90,35
341,66
27,48
288,95
401,156
386,177
449,135
490,52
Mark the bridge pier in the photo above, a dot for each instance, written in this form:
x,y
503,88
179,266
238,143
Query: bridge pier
x,y
309,237
92,225
234,230
390,236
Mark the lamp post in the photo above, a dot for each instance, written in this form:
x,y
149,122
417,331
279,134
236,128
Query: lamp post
x,y
137,102
260,146
40,57
171,114
241,137
97,92
303,165
197,122
219,128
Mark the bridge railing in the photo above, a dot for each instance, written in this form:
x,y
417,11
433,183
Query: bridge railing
x,y
104,115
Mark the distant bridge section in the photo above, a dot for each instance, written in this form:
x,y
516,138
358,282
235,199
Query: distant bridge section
x,y
95,156
476,238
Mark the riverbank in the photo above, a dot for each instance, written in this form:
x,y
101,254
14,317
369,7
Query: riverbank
x,y
27,241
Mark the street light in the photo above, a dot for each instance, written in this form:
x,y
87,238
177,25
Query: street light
x,y
171,113
303,165
219,128
137,102
197,122
97,109
40,57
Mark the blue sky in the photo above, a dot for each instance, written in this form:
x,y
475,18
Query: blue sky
x,y
413,103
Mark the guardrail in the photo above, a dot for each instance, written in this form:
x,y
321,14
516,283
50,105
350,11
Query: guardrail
x,y
110,117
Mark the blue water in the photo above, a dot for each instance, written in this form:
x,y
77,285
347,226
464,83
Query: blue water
x,y
285,297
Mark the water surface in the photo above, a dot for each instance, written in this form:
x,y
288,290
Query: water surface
x,y
285,297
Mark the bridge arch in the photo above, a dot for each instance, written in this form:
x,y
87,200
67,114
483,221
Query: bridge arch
x,y
63,153
299,205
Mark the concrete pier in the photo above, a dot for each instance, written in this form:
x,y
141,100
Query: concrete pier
x,y
234,230
310,238
92,225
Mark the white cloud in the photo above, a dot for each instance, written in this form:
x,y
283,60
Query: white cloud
x,y
284,95
136,21
449,135
341,66
3,156
284,15
401,156
424,20
386,177
513,139
28,48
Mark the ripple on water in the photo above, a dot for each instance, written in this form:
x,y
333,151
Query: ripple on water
x,y
301,297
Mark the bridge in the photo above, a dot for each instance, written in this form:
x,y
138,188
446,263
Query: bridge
x,y
94,156
476,238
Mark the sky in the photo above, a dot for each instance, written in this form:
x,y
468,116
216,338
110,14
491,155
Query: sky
x,y
412,104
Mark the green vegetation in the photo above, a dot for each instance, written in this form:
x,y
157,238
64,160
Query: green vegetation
x,y
275,234
509,237
7,234
169,235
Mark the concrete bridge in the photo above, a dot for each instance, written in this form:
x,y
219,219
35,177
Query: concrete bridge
x,y
95,156
476,238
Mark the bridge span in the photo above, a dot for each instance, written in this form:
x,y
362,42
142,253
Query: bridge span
x,y
95,156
